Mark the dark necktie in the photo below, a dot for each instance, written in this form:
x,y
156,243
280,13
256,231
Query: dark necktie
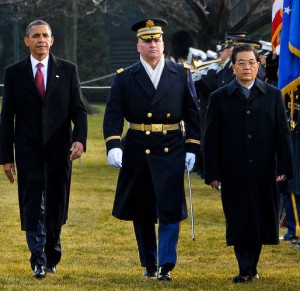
x,y
39,80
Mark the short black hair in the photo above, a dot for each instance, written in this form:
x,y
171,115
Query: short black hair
x,y
243,48
36,22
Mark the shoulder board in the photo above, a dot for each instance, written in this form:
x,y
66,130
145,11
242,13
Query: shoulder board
x,y
186,66
120,71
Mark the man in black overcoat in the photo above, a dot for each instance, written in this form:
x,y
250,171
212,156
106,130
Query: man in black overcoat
x,y
247,148
153,96
42,98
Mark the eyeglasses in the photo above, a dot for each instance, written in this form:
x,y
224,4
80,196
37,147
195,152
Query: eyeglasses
x,y
243,64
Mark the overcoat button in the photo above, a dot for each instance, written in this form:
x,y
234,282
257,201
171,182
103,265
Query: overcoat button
x,y
149,114
147,132
147,151
166,150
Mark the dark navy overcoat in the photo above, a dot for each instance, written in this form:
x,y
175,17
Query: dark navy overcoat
x,y
246,144
151,180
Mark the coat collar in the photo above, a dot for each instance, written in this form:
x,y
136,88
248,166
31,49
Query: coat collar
x,y
233,86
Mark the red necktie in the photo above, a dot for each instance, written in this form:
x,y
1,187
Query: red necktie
x,y
39,80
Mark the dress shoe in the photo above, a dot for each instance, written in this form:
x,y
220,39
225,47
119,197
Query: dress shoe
x,y
164,274
39,271
51,270
241,279
150,273
255,276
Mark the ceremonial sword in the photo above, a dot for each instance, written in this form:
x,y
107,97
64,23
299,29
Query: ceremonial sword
x,y
191,205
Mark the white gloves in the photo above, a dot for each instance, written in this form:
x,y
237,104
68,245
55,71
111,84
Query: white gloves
x,y
114,157
190,161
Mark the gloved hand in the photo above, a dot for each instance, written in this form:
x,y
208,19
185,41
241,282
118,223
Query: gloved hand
x,y
190,159
114,157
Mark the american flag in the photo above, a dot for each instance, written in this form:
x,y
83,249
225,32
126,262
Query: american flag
x,y
276,23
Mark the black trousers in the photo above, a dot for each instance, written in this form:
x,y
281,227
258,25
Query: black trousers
x,y
247,257
45,246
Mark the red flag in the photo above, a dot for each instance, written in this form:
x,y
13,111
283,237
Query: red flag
x,y
276,22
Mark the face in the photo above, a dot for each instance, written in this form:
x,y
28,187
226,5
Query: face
x,y
151,50
223,55
39,41
245,67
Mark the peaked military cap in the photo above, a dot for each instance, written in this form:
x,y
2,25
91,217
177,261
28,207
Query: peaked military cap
x,y
220,46
230,36
243,40
149,28
266,47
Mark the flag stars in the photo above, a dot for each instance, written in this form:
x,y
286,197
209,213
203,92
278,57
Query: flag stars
x,y
287,10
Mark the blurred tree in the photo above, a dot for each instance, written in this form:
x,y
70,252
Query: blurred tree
x,y
207,20
86,30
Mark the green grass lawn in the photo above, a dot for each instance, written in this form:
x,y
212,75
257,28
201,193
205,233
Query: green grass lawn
x,y
100,253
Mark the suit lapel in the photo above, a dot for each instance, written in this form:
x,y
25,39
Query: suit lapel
x,y
167,80
53,77
28,80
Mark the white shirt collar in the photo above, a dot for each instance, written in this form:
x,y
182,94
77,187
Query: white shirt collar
x,y
34,62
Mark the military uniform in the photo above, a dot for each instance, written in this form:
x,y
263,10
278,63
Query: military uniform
x,y
150,184
151,180
292,194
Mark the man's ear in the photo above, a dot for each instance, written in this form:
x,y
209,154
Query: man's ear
x,y
26,41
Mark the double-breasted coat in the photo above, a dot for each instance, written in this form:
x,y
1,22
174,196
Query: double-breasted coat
x,y
40,130
246,144
151,180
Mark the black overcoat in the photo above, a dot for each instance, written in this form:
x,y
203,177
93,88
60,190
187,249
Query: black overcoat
x,y
152,185
41,132
246,144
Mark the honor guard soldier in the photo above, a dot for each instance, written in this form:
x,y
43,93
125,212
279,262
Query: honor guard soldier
x,y
292,192
154,96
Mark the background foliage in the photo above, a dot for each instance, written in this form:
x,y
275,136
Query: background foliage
x,y
85,30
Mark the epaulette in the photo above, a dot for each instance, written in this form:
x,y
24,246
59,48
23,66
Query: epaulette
x,y
186,66
121,70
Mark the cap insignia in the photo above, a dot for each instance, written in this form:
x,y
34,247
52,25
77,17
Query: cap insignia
x,y
149,23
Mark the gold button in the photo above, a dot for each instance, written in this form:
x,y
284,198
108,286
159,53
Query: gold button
x,y
147,132
147,151
168,115
165,132
149,114
166,150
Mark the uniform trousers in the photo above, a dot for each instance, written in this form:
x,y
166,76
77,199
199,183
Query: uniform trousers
x,y
150,255
45,246
247,257
292,210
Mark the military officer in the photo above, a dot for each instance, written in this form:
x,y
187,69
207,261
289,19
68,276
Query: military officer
x,y
154,95
291,195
